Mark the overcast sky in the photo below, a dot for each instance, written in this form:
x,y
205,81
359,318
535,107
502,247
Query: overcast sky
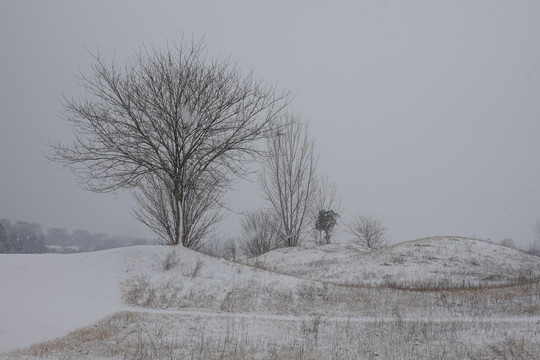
x,y
426,113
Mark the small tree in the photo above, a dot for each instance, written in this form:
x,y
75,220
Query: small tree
x,y
508,243
259,233
368,231
325,200
325,223
4,246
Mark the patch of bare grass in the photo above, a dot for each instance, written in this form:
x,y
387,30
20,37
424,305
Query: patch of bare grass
x,y
100,339
141,291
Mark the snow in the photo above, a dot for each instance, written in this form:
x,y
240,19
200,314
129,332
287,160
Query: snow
x,y
46,296
107,301
437,262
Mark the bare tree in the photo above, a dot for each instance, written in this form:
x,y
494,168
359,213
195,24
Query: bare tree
x,y
174,127
288,179
368,231
259,233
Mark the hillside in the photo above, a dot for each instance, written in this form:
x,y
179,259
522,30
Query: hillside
x,y
158,302
46,295
431,263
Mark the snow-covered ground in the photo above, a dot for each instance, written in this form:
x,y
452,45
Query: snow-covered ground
x,y
160,302
46,296
431,263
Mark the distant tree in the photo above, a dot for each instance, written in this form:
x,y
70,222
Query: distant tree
x,y
221,248
58,236
30,236
535,246
175,127
368,231
325,223
7,226
260,231
4,246
139,241
23,237
101,239
83,239
508,243
288,180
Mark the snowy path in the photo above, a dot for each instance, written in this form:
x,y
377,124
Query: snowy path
x,y
359,319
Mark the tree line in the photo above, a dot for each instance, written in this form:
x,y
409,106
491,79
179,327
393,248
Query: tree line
x,y
21,237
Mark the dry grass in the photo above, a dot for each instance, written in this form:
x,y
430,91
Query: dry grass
x,y
102,336
171,260
339,300
137,336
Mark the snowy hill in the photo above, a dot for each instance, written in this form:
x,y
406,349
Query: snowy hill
x,y
45,296
431,263
157,302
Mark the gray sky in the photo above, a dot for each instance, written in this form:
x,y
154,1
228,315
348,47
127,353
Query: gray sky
x,y
426,113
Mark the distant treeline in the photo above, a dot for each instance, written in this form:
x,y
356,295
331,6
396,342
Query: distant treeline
x,y
22,237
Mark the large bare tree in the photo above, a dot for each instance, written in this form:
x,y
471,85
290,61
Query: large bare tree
x,y
173,126
288,179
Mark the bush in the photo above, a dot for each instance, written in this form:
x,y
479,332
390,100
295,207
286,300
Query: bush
x,y
368,231
259,233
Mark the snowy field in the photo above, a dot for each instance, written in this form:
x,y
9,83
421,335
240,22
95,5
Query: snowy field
x,y
437,298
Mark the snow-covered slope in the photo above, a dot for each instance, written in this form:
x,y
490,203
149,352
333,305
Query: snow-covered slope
x,y
136,302
196,281
431,263
47,295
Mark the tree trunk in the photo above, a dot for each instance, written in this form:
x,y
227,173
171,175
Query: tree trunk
x,y
177,218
